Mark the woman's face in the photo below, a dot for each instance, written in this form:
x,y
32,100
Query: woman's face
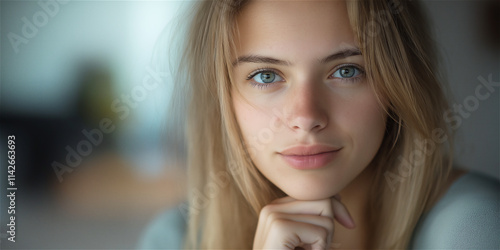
x,y
309,117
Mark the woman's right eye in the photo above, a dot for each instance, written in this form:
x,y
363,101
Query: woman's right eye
x,y
264,78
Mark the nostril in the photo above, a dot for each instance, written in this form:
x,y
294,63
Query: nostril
x,y
307,124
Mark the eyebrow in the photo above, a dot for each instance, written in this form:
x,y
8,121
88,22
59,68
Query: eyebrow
x,y
341,55
264,59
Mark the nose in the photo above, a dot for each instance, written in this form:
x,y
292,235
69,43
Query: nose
x,y
307,108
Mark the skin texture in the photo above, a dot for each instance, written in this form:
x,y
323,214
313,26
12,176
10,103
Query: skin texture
x,y
307,103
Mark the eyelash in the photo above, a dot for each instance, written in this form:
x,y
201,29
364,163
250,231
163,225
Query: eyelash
x,y
348,80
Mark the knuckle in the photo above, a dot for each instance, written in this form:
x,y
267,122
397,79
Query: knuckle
x,y
265,211
274,216
326,204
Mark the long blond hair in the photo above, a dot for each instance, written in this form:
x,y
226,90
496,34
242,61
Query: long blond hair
x,y
226,191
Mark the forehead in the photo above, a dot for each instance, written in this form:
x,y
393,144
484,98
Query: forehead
x,y
293,28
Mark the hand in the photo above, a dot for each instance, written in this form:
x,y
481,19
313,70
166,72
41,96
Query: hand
x,y
287,223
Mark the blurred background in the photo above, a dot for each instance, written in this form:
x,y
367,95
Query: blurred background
x,y
85,98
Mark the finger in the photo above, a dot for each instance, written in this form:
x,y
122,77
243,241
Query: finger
x,y
341,214
321,221
317,207
297,234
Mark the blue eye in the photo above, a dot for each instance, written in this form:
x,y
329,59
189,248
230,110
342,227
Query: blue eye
x,y
263,78
347,72
266,77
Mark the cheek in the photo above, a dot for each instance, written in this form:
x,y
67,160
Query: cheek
x,y
255,125
363,120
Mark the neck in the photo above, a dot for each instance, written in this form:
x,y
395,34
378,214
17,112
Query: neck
x,y
355,198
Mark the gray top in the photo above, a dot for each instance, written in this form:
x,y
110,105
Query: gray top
x,y
466,217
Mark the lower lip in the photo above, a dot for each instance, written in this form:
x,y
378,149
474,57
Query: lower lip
x,y
310,161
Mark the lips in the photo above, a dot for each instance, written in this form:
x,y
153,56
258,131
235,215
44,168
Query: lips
x,y
309,157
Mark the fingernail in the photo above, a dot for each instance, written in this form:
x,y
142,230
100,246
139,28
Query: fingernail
x,y
353,225
350,220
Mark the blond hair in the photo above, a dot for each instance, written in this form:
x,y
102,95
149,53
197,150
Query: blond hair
x,y
227,192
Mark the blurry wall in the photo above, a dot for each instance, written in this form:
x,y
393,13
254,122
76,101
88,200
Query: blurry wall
x,y
121,34
64,62
467,34
62,65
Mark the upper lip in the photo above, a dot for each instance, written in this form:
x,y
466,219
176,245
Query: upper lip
x,y
303,150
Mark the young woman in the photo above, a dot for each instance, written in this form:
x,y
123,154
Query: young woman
x,y
319,125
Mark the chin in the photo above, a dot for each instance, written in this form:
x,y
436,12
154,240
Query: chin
x,y
309,197
310,191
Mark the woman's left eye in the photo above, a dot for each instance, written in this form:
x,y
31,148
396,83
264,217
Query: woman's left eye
x,y
347,72
266,77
